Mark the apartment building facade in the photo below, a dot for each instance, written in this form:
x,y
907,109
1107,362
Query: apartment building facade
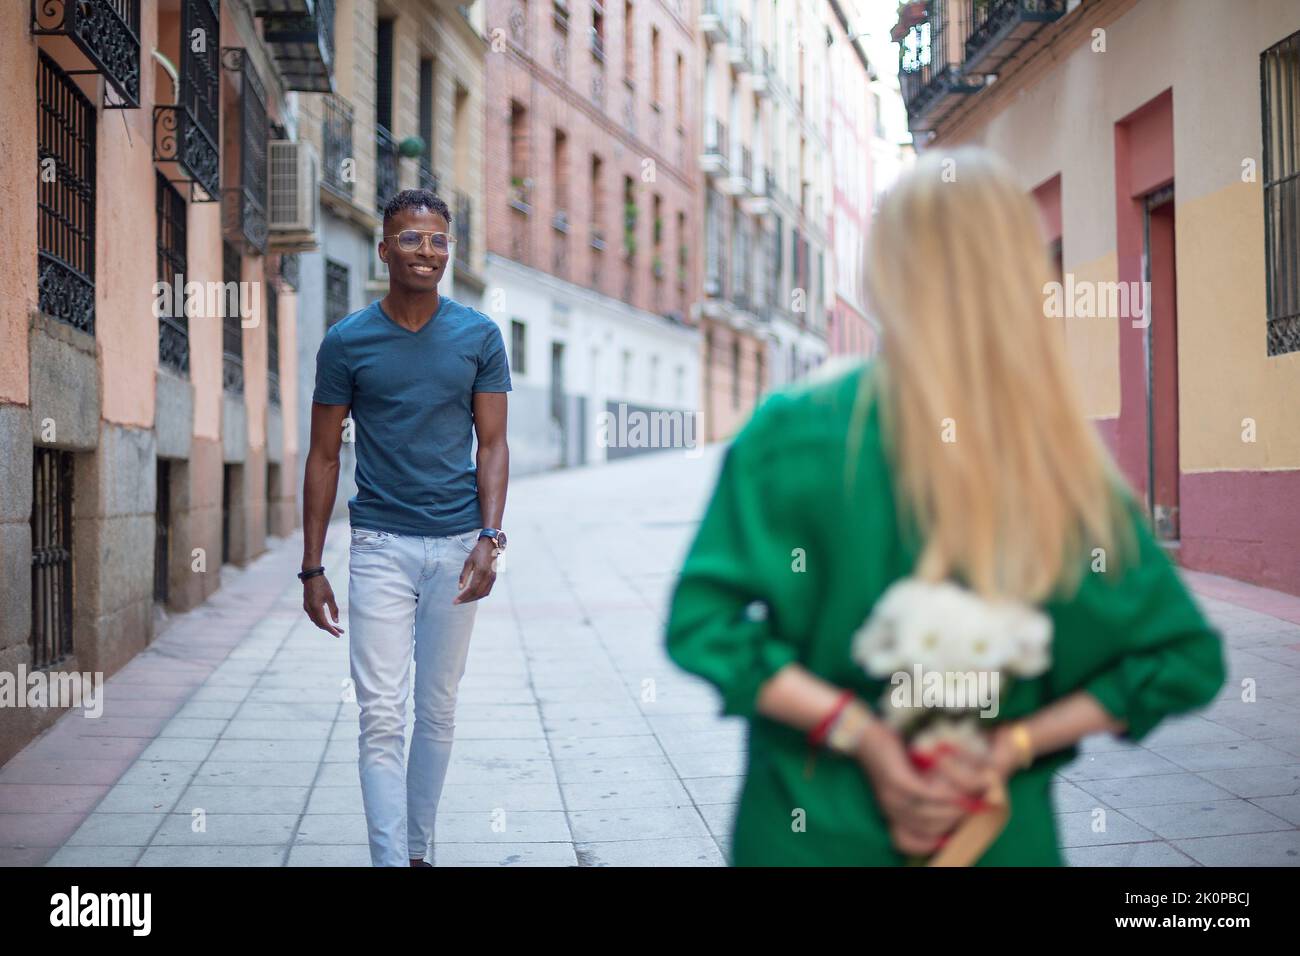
x,y
407,112
589,206
1160,140
851,125
149,312
765,198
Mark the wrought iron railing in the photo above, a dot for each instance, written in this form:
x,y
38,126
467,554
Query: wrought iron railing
x,y
385,166
244,202
428,178
173,326
339,173
300,35
927,68
187,131
65,206
107,32
988,19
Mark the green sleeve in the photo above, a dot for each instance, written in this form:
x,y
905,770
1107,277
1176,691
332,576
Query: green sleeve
x,y
726,609
1166,659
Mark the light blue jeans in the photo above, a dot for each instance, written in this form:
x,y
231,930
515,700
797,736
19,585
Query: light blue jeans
x,y
400,589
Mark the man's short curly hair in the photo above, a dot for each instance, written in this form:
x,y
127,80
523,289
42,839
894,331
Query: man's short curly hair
x,y
417,199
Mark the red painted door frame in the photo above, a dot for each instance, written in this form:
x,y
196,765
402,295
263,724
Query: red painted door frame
x,y
1144,163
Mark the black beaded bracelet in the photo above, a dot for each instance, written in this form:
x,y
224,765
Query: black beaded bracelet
x,y
310,573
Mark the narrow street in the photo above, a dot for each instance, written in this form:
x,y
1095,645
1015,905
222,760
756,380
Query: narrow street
x,y
232,740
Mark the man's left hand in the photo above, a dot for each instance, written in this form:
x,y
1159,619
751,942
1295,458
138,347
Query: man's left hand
x,y
479,573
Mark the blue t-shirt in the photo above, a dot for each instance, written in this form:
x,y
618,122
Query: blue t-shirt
x,y
411,395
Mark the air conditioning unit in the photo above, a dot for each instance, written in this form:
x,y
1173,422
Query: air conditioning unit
x,y
293,195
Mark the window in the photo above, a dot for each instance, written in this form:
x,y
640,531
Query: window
x,y
232,333
65,203
51,556
337,295
272,340
518,347
173,327
428,109
629,43
654,67
162,532
1280,81
681,91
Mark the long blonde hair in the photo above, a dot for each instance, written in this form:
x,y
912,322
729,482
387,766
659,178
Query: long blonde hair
x,y
1005,479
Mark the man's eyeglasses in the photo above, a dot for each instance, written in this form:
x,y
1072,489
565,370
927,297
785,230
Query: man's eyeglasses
x,y
408,240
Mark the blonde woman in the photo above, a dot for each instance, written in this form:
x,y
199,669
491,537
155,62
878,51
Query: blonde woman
x,y
961,453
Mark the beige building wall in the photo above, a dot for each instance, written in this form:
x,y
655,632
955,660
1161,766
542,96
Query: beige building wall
x,y
1063,122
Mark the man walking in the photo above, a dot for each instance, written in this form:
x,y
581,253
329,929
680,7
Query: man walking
x,y
420,373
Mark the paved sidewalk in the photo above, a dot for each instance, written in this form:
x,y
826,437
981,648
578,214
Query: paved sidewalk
x,y
231,741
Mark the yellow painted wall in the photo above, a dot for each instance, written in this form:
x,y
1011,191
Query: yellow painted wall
x,y
1224,371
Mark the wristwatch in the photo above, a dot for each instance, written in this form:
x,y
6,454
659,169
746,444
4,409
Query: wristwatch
x,y
497,535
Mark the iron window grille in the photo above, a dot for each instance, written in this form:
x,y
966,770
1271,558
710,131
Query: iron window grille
x,y
272,343
244,201
336,137
186,133
162,533
232,334
52,578
337,294
1279,70
65,198
107,32
385,167
173,329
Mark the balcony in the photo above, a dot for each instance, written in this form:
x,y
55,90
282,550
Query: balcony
x,y
762,191
243,199
106,32
738,42
713,161
931,78
560,221
737,183
385,167
597,44
300,37
596,239
338,176
427,178
760,74
999,28
185,133
711,22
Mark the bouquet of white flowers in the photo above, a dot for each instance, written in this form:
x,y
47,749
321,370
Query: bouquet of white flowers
x,y
949,656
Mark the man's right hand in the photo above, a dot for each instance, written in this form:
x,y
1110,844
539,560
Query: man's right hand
x,y
317,595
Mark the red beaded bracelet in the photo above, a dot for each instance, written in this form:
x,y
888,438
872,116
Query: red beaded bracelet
x,y
818,734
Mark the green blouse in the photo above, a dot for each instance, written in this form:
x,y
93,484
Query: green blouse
x,y
788,560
